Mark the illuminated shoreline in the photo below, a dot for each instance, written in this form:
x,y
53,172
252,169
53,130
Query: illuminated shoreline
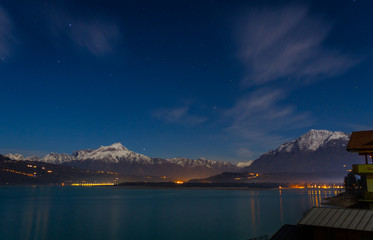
x,y
92,184
312,186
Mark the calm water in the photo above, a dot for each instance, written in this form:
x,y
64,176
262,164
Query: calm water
x,y
112,213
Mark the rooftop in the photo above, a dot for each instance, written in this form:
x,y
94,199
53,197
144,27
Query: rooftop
x,y
345,218
361,142
330,224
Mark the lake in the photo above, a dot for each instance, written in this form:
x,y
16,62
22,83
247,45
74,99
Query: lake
x,y
117,213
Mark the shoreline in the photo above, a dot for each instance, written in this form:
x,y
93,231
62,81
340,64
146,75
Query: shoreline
x,y
167,186
194,188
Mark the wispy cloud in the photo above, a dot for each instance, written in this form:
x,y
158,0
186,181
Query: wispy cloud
x,y
179,115
260,119
278,46
288,43
99,36
7,37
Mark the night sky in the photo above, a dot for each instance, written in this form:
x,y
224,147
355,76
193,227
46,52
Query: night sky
x,y
224,80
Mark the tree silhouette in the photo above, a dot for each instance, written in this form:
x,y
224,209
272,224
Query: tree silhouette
x,y
351,183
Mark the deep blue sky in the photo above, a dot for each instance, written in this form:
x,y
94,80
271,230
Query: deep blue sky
x,y
224,80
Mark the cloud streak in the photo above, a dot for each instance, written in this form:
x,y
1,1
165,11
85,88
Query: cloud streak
x,y
179,115
97,35
260,119
99,38
282,49
288,43
7,37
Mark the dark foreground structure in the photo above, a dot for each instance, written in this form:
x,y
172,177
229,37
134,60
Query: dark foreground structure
x,y
329,224
340,223
362,143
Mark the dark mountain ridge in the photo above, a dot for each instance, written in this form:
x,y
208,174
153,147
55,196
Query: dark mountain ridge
x,y
119,159
34,172
318,151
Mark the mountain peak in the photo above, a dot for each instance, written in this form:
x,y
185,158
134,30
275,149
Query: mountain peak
x,y
313,140
113,153
15,156
114,146
321,153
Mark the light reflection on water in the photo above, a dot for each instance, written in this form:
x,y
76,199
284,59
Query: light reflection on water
x,y
281,211
112,213
317,196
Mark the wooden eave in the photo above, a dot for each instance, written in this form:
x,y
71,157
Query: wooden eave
x,y
361,142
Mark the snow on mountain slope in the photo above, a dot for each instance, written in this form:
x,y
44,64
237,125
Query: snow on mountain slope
x,y
201,162
312,140
244,164
20,157
15,156
118,154
317,151
80,154
32,158
113,153
57,158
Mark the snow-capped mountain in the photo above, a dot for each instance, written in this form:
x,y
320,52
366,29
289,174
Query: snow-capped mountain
x,y
57,158
32,158
20,157
201,162
118,158
313,140
320,151
315,151
15,156
113,153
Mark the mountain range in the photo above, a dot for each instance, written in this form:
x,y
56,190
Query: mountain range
x,y
118,158
36,172
318,151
